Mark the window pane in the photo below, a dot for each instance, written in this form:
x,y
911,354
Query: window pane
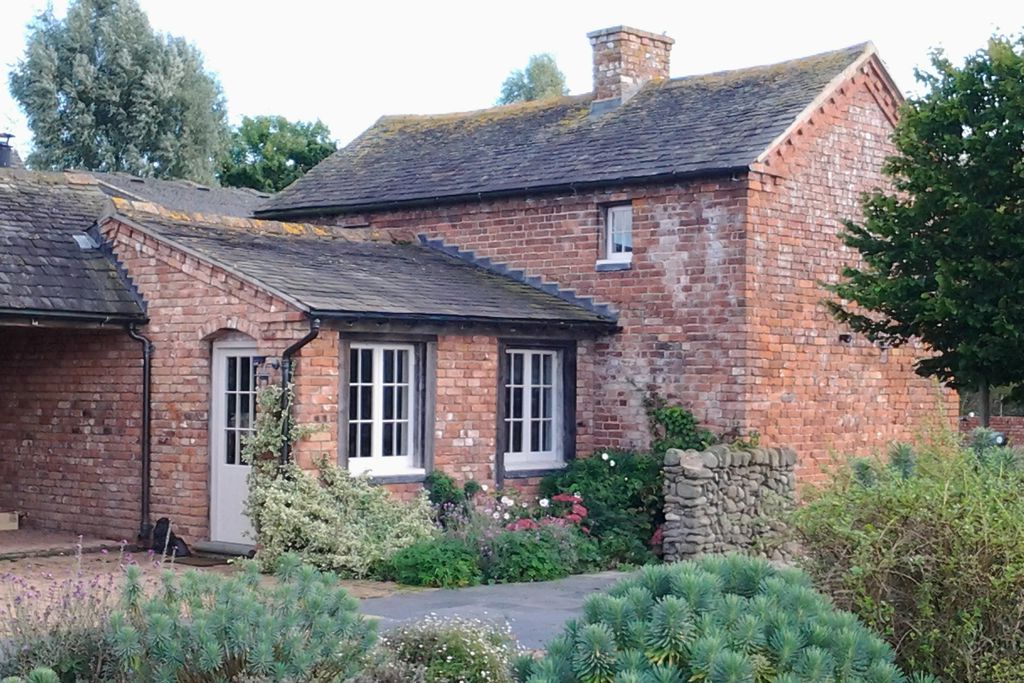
x,y
517,436
535,439
546,426
232,401
366,365
548,361
231,443
535,368
244,419
353,402
546,401
232,373
389,439
402,403
517,403
245,372
389,403
353,366
366,403
401,371
365,442
535,399
517,368
389,366
353,442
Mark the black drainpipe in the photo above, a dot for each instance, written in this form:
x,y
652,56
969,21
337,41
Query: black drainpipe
x,y
287,370
145,528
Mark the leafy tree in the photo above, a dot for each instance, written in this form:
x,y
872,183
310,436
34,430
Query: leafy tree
x,y
270,152
102,91
541,79
943,253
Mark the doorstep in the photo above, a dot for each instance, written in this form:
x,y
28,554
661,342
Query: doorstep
x,y
24,542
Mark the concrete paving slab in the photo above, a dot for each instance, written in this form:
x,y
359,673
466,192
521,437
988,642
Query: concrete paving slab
x,y
536,612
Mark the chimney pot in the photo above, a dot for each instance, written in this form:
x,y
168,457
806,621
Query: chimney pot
x,y
5,150
625,59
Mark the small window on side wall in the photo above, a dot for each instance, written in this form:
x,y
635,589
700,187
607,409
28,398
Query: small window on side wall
x,y
617,235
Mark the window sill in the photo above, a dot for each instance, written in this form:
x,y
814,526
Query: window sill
x,y
537,470
410,477
610,265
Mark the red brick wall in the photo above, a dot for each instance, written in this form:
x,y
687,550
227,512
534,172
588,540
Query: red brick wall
x,y
681,304
806,388
1010,425
69,435
190,304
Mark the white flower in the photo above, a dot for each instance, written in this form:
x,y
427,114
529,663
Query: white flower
x,y
484,487
497,515
604,456
611,463
524,506
544,502
508,516
507,502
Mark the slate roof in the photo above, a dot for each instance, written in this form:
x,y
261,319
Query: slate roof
x,y
182,195
43,270
336,273
678,127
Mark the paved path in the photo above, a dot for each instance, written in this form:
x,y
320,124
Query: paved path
x,y
535,611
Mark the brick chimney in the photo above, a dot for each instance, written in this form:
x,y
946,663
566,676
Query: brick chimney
x,y
624,60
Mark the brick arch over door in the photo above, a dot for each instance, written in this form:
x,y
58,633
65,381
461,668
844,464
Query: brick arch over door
x,y
218,327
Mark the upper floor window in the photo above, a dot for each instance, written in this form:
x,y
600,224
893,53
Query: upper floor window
x,y
618,234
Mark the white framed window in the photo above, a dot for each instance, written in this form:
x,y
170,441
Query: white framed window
x,y
382,409
618,234
534,409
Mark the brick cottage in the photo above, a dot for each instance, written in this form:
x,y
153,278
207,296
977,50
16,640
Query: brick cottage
x,y
488,293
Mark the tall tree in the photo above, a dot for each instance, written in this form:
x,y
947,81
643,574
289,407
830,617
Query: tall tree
x,y
270,152
102,91
943,253
541,79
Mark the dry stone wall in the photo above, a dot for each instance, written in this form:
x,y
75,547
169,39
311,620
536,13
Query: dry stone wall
x,y
726,498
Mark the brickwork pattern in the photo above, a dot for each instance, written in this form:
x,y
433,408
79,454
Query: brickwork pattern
x,y
805,386
681,304
69,438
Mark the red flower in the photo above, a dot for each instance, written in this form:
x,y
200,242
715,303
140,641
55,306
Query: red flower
x,y
565,498
659,536
579,510
574,518
524,524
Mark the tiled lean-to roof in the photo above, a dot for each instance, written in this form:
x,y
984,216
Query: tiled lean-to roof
x,y
182,195
678,127
341,273
49,265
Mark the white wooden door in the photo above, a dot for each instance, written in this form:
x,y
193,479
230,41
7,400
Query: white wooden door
x,y
232,406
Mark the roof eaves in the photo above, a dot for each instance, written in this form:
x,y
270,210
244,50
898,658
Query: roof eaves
x,y
603,311
92,319
445,318
160,237
298,211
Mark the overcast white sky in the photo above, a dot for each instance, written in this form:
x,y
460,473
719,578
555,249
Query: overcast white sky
x,y
349,62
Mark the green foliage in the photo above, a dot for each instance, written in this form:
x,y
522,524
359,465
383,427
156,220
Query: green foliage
x,y
931,556
716,620
451,503
535,555
38,675
455,650
541,80
205,627
444,562
331,519
200,627
676,427
624,498
269,153
943,253
102,91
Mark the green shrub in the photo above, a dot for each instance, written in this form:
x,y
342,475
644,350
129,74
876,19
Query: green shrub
x,y
623,496
451,502
455,650
540,554
720,619
444,562
675,427
203,627
332,520
929,551
39,675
